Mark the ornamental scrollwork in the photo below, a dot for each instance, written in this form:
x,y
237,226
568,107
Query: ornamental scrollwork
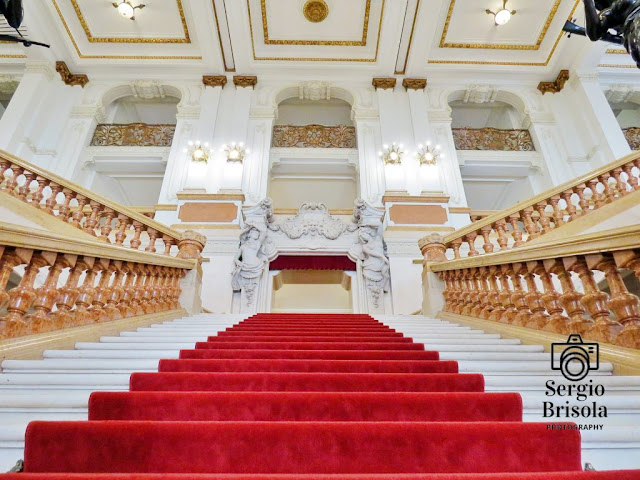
x,y
314,219
632,135
313,136
133,135
493,139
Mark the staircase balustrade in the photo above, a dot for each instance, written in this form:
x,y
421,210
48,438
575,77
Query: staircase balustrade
x,y
104,219
553,286
531,219
85,281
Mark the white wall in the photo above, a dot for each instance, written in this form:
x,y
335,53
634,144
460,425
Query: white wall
x,y
307,112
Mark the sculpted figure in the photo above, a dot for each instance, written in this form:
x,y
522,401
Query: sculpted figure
x,y
249,262
375,264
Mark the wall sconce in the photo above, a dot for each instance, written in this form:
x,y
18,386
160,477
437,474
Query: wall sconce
x,y
235,152
428,157
502,16
197,152
126,9
393,169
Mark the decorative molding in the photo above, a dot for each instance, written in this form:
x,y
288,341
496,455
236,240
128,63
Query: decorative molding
x,y
414,83
147,89
390,198
480,94
214,80
555,86
384,83
244,81
71,79
315,10
632,135
314,91
313,136
620,93
133,135
493,139
224,197
314,219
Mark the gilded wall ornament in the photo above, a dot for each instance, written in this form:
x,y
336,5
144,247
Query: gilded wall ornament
x,y
314,219
633,137
414,83
214,80
315,10
133,135
313,136
71,79
555,86
493,139
384,83
245,81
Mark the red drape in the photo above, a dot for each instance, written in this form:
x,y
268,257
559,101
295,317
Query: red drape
x,y
312,262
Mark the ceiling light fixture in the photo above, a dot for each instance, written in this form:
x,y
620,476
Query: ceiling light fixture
x,y
126,9
502,16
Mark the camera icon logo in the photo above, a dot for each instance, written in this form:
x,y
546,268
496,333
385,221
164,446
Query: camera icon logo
x,y
576,358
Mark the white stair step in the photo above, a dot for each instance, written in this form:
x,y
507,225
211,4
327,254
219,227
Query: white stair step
x,y
611,383
71,365
187,336
136,346
524,367
141,354
48,380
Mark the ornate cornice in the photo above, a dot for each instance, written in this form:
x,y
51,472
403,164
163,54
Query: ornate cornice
x,y
244,81
414,83
214,80
71,79
384,83
557,85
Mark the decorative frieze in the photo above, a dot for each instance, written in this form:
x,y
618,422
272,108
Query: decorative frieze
x,y
480,94
214,80
314,91
384,83
493,139
555,86
133,135
632,135
414,83
313,136
71,79
245,81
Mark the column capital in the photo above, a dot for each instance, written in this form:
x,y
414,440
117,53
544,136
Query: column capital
x,y
214,80
433,248
414,83
557,85
384,83
245,81
71,79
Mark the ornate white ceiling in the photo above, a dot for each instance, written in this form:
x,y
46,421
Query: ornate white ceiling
x,y
370,37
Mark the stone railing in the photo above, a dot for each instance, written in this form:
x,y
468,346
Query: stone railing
x,y
313,136
133,135
632,135
493,139
69,282
530,219
108,221
555,286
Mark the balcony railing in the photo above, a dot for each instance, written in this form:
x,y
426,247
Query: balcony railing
x,y
493,139
313,136
133,135
632,135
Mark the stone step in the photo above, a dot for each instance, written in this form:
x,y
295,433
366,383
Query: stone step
x,y
188,336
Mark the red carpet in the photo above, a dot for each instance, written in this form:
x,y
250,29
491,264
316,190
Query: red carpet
x,y
315,397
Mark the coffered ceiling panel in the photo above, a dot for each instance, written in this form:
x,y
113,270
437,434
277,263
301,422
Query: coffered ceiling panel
x,y
350,30
162,21
470,36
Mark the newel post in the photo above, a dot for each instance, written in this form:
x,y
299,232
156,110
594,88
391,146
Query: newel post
x,y
433,250
191,246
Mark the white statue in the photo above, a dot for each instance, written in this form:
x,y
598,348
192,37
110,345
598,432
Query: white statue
x,y
375,264
249,262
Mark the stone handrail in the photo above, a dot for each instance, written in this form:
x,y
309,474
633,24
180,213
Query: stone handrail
x,y
108,221
552,286
85,281
528,220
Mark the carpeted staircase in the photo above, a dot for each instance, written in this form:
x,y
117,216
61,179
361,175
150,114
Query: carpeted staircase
x,y
295,396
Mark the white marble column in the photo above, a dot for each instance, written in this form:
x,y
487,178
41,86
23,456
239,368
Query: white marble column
x,y
370,167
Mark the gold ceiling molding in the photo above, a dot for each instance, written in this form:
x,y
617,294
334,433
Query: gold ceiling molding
x,y
555,86
384,83
414,83
93,39
315,10
317,59
115,57
244,81
224,58
71,79
340,43
413,27
497,46
214,80
511,64
616,51
609,65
